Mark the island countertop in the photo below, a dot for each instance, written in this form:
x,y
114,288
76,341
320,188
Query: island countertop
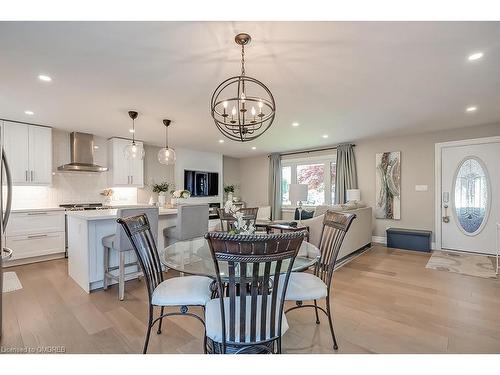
x,y
112,213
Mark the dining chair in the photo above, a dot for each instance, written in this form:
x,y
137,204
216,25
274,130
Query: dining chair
x,y
226,220
247,315
304,286
249,214
191,222
177,291
119,243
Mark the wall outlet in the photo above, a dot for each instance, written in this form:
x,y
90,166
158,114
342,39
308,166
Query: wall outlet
x,y
421,187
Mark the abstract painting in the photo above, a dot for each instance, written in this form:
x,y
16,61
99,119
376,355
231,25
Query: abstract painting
x,y
388,185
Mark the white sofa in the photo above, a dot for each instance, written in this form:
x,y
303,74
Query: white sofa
x,y
359,235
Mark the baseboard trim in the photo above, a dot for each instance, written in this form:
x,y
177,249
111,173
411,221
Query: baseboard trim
x,y
383,241
23,261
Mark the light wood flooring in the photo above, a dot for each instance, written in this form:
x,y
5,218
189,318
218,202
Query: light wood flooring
x,y
385,301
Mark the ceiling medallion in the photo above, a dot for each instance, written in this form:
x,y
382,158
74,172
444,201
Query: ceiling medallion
x,y
242,107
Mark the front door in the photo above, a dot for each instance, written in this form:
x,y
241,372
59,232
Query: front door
x,y
470,195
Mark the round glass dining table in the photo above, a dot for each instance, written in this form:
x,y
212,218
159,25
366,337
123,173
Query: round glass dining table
x,y
193,257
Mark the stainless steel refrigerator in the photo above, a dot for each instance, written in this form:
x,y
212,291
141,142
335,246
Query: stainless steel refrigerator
x,y
5,205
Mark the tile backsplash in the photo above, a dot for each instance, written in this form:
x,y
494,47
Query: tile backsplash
x,y
70,188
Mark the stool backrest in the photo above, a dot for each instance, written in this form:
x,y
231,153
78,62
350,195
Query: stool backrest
x,y
121,240
138,231
251,287
192,221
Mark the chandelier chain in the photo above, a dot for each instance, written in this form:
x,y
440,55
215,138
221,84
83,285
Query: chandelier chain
x,y
242,59
133,131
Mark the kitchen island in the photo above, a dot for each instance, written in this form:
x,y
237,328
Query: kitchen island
x,y
85,251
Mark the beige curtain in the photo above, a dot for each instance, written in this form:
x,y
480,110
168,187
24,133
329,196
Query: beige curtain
x,y
275,186
347,176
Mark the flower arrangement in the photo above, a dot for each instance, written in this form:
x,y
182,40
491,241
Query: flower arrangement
x,y
108,193
181,194
229,189
240,226
162,187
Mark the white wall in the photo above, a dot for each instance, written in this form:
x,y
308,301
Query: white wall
x,y
154,172
254,177
198,161
232,175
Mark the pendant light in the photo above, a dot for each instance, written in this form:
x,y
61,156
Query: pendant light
x,y
166,155
133,151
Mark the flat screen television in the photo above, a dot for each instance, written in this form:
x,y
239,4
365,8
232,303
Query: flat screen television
x,y
201,184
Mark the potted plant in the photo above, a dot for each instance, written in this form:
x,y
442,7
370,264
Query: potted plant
x,y
162,189
229,190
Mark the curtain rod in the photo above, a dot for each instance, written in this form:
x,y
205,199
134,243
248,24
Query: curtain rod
x,y
309,151
23,122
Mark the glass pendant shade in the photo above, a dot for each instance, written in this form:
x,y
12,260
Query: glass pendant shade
x,y
133,151
166,156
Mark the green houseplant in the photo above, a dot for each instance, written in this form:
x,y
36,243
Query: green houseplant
x,y
162,189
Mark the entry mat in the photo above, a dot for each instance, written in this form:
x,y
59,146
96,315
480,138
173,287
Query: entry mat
x,y
464,263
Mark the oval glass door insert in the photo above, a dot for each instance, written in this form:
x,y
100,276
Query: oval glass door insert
x,y
471,196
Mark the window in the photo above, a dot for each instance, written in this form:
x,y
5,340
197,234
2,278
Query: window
x,y
317,172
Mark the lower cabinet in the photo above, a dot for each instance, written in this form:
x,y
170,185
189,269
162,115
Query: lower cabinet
x,y
35,233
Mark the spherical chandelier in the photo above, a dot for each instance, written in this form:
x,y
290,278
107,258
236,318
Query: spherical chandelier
x,y
242,107
133,151
166,155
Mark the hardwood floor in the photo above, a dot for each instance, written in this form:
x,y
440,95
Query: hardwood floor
x,y
385,301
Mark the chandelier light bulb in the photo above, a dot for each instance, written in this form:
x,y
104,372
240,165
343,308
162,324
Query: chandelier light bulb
x,y
253,111
243,97
224,104
261,104
233,111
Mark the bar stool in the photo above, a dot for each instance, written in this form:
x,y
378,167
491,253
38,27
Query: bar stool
x,y
120,243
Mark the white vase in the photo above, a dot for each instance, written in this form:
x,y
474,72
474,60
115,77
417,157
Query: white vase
x,y
162,200
230,197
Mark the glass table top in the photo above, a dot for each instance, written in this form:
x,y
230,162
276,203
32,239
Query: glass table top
x,y
193,257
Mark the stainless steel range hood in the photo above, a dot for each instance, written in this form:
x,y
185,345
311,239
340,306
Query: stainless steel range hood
x,y
82,154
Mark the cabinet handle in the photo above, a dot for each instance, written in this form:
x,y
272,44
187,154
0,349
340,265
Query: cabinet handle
x,y
32,174
37,213
37,236
132,180
26,175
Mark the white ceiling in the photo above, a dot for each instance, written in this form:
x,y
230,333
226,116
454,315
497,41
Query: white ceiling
x,y
349,80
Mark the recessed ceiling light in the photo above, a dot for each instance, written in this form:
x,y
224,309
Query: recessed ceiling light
x,y
45,78
254,148
325,135
475,56
29,113
131,131
295,124
472,108
221,141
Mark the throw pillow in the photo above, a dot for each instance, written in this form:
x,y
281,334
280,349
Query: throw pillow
x,y
305,214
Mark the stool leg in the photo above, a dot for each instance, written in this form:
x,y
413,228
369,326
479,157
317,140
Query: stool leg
x,y
106,268
121,276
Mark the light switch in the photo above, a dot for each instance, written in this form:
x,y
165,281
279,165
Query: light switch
x,y
421,187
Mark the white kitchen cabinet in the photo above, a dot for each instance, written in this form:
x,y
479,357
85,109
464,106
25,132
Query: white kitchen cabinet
x,y
124,172
35,233
29,153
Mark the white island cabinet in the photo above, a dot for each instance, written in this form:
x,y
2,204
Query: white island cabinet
x,y
86,230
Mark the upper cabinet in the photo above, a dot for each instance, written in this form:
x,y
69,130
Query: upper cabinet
x,y
124,172
29,153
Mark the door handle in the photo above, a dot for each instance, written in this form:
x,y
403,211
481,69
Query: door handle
x,y
6,253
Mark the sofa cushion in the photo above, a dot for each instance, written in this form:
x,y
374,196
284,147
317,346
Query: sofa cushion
x,y
305,214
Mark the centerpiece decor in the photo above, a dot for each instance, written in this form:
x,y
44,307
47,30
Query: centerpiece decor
x,y
251,103
229,190
162,189
240,226
107,194
179,195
